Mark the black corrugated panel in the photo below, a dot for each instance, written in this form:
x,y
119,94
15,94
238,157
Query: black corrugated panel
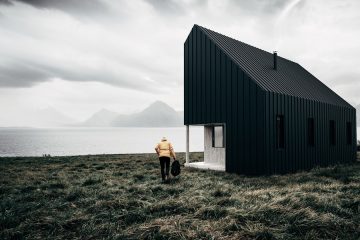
x,y
298,154
229,82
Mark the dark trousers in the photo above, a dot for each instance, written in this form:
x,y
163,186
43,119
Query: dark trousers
x,y
165,166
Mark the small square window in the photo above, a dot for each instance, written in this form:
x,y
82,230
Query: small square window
x,y
218,136
311,132
280,132
332,132
348,133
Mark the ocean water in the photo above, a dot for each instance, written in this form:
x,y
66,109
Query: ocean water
x,y
82,141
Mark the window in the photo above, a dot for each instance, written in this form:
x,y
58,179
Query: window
x,y
348,133
280,133
332,132
218,136
311,134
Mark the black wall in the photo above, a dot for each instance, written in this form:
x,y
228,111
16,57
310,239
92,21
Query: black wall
x,y
217,91
298,154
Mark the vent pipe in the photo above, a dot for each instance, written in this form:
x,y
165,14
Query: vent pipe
x,y
275,60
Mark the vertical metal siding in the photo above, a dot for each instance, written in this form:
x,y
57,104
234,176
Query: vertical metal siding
x,y
213,80
217,90
246,123
252,126
283,153
285,159
203,80
186,76
207,79
241,120
191,78
271,130
298,155
261,161
189,65
307,146
267,138
277,155
290,137
302,133
228,114
235,118
198,88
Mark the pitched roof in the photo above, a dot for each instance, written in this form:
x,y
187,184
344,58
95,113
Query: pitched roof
x,y
290,78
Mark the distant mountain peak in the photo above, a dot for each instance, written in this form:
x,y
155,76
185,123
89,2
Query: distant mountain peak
x,y
51,117
104,110
159,106
158,102
157,114
101,118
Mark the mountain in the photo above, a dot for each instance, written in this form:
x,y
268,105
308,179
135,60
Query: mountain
x,y
102,118
48,117
158,114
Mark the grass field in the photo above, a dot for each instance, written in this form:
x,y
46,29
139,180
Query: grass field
x,y
121,197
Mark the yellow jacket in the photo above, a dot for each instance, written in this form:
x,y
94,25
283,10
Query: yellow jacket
x,y
165,149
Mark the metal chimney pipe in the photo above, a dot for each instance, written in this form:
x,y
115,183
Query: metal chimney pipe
x,y
275,60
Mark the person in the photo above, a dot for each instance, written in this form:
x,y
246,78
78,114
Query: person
x,y
165,150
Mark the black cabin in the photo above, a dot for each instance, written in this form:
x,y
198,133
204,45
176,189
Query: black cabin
x,y
262,114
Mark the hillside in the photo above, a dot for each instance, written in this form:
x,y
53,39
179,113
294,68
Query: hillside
x,y
48,117
121,197
157,114
102,118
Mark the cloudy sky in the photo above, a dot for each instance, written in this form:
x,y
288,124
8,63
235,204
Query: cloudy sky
x,y
81,56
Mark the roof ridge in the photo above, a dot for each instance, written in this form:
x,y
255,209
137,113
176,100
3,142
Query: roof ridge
x,y
290,78
248,71
245,43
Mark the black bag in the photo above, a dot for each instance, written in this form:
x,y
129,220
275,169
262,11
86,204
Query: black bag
x,y
175,168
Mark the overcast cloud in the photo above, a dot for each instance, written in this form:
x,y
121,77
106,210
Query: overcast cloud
x,y
69,6
81,56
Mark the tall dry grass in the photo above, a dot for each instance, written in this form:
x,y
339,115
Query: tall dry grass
x,y
121,197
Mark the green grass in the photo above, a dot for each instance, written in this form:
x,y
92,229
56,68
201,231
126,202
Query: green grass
x,y
121,197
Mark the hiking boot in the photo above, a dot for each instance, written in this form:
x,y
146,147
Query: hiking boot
x,y
167,179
